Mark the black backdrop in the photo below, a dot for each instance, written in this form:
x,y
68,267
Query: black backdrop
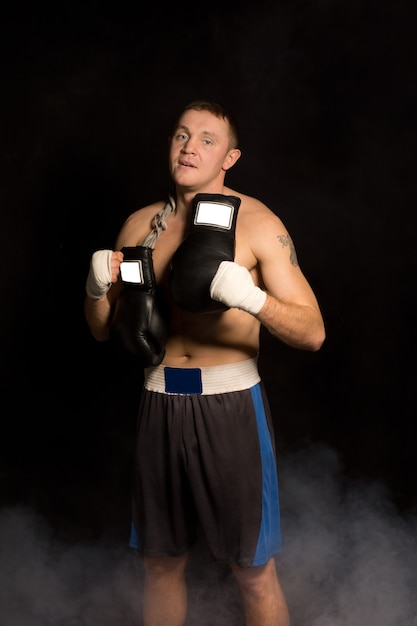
x,y
326,97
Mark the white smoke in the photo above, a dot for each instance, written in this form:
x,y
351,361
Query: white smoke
x,y
348,559
46,582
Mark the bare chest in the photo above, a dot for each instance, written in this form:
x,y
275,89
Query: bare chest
x,y
177,233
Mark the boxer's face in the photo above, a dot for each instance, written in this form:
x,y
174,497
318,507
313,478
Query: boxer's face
x,y
200,152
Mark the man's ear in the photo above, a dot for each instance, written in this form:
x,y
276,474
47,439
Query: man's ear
x,y
231,158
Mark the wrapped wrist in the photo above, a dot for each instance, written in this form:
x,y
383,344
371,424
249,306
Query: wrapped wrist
x,y
254,302
99,277
233,286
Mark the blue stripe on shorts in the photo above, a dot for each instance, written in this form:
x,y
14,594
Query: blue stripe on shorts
x,y
269,541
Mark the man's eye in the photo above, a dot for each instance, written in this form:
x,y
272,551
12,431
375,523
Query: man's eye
x,y
182,136
207,142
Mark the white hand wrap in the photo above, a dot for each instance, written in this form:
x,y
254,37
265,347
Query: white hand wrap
x,y
233,286
99,277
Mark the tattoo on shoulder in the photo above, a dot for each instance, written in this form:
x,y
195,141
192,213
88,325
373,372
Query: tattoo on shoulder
x,y
286,240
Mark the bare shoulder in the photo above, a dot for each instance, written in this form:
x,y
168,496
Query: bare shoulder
x,y
256,215
265,232
138,225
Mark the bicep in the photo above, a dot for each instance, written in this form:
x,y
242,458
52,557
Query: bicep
x,y
280,271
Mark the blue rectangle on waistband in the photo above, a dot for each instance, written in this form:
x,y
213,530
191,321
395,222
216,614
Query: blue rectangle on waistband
x,y
183,380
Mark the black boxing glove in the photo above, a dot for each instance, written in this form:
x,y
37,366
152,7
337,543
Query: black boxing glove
x,y
210,241
139,330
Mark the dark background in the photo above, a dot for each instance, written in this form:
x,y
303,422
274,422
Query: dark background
x,y
325,93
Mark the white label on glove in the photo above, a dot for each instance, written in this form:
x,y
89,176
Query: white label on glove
x,y
214,214
131,272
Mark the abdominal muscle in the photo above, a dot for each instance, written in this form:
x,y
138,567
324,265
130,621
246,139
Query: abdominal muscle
x,y
213,339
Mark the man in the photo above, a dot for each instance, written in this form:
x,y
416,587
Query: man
x,y
205,453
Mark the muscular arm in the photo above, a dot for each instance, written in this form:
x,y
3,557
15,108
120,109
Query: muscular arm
x,y
300,326
266,281
98,316
99,312
290,312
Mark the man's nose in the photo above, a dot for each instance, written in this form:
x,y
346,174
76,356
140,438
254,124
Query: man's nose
x,y
189,146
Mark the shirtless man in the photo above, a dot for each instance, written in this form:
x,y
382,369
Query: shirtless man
x,y
205,454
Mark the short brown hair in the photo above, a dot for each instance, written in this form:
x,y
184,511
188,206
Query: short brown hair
x,y
219,110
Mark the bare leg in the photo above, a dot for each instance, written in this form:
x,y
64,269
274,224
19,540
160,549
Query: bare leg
x,y
263,598
165,593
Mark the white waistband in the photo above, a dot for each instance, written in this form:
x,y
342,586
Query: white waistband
x,y
214,379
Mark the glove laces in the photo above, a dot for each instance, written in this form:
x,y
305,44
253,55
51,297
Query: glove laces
x,y
159,223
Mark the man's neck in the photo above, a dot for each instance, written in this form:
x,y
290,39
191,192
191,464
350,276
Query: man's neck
x,y
185,197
